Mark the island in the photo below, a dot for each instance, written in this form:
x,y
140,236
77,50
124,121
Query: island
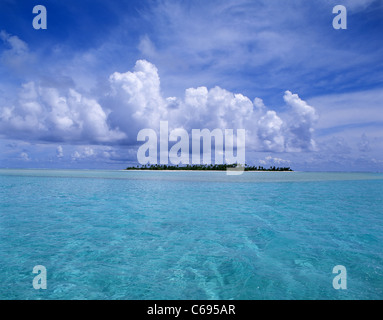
x,y
207,167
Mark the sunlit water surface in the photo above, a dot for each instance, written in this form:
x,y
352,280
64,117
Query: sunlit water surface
x,y
190,235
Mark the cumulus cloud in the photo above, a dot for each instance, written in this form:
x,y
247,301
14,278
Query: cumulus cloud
x,y
266,130
274,161
85,152
24,156
270,132
45,113
134,101
303,118
59,152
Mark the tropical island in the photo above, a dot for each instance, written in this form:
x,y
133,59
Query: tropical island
x,y
209,167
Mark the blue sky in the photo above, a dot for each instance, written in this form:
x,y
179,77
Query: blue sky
x,y
76,95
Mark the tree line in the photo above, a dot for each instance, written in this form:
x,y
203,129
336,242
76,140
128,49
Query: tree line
x,y
209,167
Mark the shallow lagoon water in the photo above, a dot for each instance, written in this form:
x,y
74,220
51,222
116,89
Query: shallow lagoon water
x,y
190,235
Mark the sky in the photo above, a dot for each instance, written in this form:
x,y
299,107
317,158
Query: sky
x,y
76,94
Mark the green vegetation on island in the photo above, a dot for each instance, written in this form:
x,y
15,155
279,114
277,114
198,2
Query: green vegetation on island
x,y
209,167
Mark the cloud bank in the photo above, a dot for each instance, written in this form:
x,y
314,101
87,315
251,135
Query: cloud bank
x,y
134,101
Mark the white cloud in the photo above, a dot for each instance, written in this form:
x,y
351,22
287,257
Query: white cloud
x,y
16,55
83,153
303,118
44,113
76,155
17,47
135,102
275,160
270,132
24,156
266,130
135,99
147,47
59,152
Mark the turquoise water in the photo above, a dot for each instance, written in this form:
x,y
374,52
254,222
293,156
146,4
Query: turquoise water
x,y
190,235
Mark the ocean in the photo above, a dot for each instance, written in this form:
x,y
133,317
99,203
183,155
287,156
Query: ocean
x,y
190,235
